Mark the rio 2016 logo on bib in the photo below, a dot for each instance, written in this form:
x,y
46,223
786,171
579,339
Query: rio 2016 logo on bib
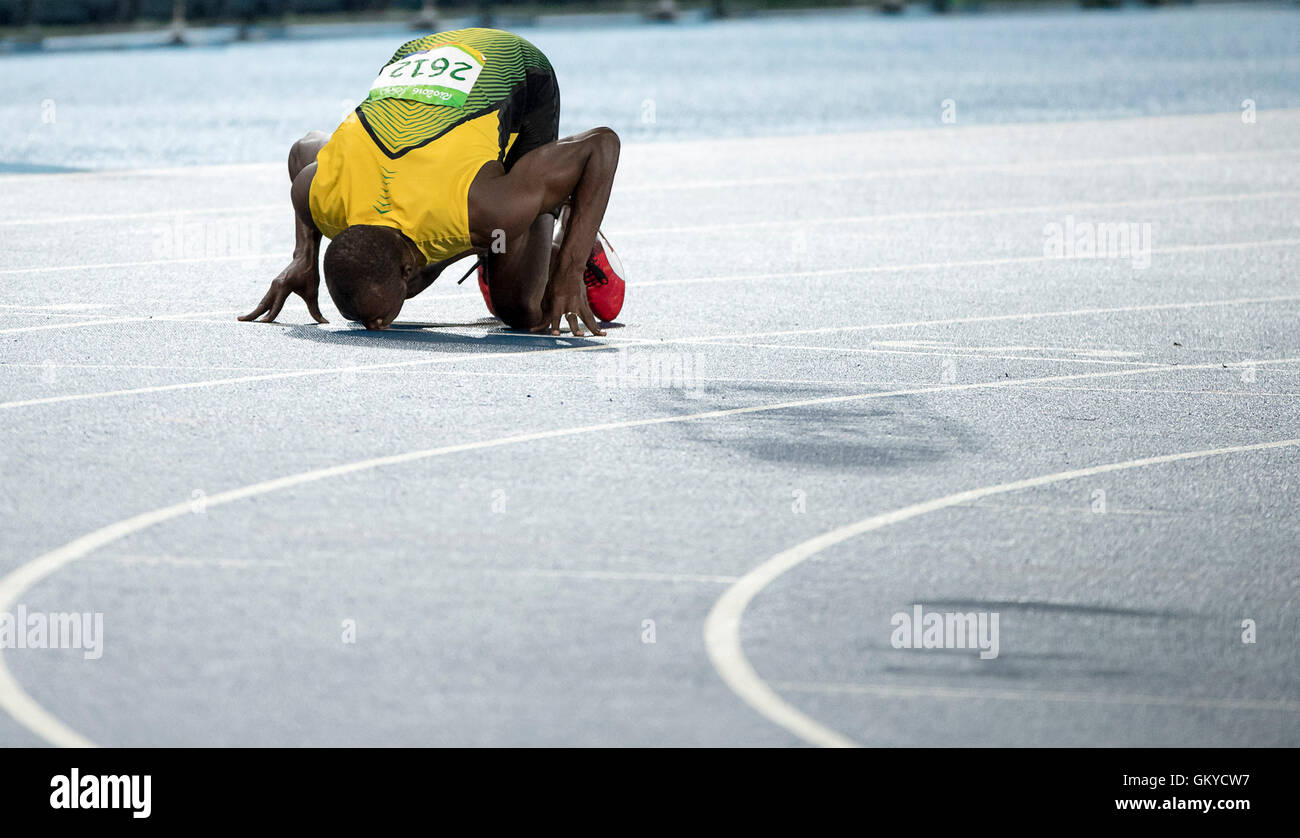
x,y
441,76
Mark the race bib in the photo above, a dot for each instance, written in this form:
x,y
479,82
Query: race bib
x,y
441,76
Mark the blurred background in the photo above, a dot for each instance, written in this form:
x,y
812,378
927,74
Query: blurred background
x,y
28,19
126,84
106,14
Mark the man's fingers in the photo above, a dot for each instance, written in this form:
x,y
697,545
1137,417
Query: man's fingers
x,y
278,294
311,296
261,307
592,324
547,326
280,297
573,324
255,313
592,321
575,319
313,308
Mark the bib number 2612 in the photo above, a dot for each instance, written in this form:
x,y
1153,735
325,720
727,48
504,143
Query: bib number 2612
x,y
441,76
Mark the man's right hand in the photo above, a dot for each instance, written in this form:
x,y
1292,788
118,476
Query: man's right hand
x,y
298,278
567,300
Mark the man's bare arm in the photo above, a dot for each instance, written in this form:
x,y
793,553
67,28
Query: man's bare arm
x,y
302,276
578,169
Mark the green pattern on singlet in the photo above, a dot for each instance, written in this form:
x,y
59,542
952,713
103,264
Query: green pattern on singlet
x,y
400,124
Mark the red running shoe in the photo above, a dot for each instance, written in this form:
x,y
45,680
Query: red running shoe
x,y
604,280
482,286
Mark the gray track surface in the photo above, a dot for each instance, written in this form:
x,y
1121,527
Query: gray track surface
x,y
500,593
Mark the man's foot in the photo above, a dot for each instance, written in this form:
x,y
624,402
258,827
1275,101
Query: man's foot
x,y
604,280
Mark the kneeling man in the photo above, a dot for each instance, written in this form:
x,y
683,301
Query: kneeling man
x,y
455,152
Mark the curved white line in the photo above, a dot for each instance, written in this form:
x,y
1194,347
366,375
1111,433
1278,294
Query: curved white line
x,y
722,627
31,715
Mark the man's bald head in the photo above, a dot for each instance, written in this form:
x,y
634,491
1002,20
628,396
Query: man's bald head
x,y
366,268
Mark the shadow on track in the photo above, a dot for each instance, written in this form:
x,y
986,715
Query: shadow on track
x,y
418,336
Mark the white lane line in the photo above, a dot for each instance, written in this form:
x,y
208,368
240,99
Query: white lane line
x,y
299,373
583,375
1068,510
993,318
143,263
871,269
25,710
204,562
193,562
1168,392
576,375
920,215
610,344
1078,350
1018,168
135,216
967,693
979,212
939,354
655,283
19,312
722,626
277,169
206,170
110,321
608,575
170,367
950,265
79,308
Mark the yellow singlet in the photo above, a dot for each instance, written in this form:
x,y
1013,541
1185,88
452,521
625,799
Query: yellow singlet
x,y
407,163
